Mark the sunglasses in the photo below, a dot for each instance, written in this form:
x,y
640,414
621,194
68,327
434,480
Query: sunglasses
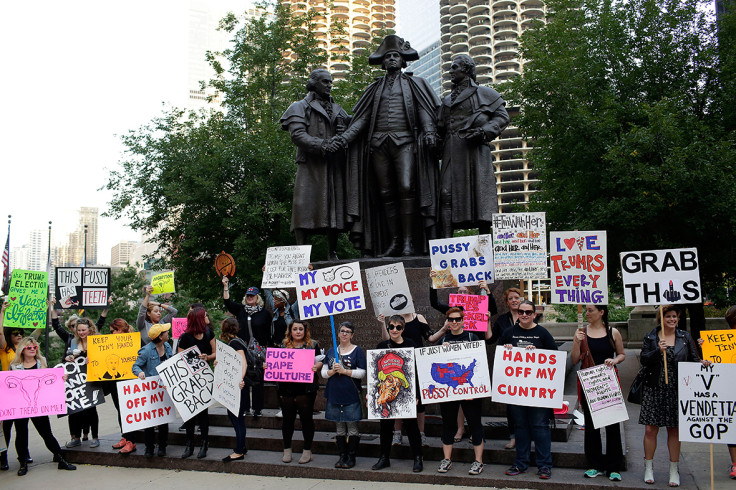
x,y
19,334
346,332
31,347
526,312
395,327
455,319
82,322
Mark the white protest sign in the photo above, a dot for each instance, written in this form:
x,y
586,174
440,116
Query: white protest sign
x,y
520,245
579,267
657,277
461,261
330,291
603,393
451,372
391,384
532,378
707,402
228,375
189,382
144,403
389,290
283,264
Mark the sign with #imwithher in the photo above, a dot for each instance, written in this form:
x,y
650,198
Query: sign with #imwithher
x,y
461,261
579,267
330,291
657,277
520,245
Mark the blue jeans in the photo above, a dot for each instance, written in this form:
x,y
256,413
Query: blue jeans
x,y
532,423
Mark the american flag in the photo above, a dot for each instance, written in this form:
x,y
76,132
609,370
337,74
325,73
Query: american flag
x,y
6,263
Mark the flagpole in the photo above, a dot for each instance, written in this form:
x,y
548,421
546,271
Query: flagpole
x,y
48,296
5,287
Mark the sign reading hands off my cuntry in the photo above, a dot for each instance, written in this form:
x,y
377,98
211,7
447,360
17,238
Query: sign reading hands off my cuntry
x,y
534,378
330,291
144,403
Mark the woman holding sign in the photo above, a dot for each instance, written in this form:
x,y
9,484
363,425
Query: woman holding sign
x,y
343,391
595,345
150,313
230,335
659,398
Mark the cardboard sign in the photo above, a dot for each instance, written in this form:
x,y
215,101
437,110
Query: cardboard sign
x,y
163,283
144,403
520,245
289,365
330,291
657,277
475,317
532,378
228,375
79,394
391,384
178,326
82,287
461,261
284,264
706,402
111,357
579,267
603,392
451,372
27,300
719,345
389,290
32,393
189,382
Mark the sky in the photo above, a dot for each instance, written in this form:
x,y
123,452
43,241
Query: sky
x,y
78,74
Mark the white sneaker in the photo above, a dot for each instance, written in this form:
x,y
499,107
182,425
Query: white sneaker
x,y
445,466
280,413
476,468
396,441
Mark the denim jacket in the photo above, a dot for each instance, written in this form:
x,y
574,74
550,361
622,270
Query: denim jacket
x,y
148,359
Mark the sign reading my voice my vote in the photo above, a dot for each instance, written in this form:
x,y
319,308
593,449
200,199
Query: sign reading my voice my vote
x,y
330,291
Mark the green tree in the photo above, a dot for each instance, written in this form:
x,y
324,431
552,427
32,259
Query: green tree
x,y
627,108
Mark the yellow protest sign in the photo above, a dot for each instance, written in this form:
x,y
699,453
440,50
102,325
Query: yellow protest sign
x,y
111,357
163,283
719,345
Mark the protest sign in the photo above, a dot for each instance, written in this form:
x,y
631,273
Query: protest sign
x,y
389,290
79,394
603,393
475,306
324,292
657,277
189,382
289,365
520,245
451,372
532,378
32,393
284,264
163,283
82,287
719,345
144,403
27,300
707,402
178,326
111,357
228,375
391,384
461,261
579,267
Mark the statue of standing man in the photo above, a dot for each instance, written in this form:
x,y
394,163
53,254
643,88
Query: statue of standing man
x,y
319,188
392,174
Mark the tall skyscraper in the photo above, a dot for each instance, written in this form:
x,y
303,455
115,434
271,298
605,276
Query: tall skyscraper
x,y
363,18
72,254
488,31
120,253
428,66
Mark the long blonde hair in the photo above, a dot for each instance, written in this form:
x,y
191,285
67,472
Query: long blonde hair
x,y
21,347
91,326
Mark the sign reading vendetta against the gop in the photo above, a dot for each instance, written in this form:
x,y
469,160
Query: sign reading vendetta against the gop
x,y
27,300
461,261
578,263
520,245
330,291
655,277
451,372
707,402
82,287
534,378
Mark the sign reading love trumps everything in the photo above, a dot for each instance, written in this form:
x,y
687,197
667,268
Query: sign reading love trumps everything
x,y
655,277
330,291
520,245
579,267
27,300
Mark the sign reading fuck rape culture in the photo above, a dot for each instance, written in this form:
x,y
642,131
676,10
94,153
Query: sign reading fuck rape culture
x,y
579,267
330,291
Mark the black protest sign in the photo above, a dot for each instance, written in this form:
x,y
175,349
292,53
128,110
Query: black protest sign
x,y
79,394
82,287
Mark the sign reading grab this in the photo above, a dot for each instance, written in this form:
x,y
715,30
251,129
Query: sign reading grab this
x,y
657,277
330,291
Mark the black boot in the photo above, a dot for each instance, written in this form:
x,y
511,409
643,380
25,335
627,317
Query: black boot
x,y
23,468
203,450
64,465
4,461
418,465
353,442
392,222
407,224
188,449
342,447
383,462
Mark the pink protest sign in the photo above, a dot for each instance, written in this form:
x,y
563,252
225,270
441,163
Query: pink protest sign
x,y
32,393
476,310
178,325
289,365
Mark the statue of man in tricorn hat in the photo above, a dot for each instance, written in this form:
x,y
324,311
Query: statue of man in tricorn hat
x,y
392,172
